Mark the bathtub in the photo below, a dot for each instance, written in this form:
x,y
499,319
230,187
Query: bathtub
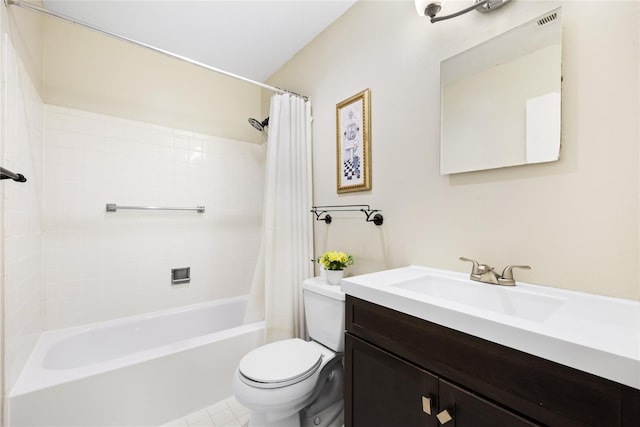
x,y
142,370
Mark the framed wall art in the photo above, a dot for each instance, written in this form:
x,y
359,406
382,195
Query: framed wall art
x,y
352,143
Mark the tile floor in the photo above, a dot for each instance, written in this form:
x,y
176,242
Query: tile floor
x,y
227,413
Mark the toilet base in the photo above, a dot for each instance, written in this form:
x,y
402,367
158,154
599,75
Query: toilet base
x,y
326,410
333,416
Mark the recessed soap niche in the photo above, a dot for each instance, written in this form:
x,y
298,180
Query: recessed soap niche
x,y
180,276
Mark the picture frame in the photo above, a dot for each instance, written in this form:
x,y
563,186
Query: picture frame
x,y
353,145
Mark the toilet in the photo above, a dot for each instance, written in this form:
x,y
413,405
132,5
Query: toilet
x,y
297,383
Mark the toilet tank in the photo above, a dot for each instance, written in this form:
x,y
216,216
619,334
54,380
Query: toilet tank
x,y
324,312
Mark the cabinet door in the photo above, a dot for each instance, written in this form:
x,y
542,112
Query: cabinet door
x,y
382,390
469,410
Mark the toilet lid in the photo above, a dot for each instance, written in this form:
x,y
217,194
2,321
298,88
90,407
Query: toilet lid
x,y
281,363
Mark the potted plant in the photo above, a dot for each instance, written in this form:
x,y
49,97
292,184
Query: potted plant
x,y
334,264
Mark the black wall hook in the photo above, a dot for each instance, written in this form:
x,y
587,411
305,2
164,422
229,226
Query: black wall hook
x,y
322,216
377,218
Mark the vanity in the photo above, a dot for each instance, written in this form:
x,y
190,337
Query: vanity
x,y
428,347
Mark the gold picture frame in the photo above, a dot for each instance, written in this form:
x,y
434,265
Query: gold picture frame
x,y
353,162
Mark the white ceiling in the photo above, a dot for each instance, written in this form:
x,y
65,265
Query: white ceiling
x,y
252,39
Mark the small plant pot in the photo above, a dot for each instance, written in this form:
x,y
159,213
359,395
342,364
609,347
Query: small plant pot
x,y
334,276
323,273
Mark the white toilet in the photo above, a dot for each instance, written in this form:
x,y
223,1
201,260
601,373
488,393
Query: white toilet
x,y
296,383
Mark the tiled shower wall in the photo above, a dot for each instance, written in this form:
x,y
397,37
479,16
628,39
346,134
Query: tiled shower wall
x,y
22,120
101,265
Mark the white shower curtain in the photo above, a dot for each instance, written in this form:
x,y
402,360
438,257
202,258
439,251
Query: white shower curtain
x,y
287,233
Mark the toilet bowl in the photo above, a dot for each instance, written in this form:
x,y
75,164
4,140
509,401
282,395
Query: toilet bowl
x,y
276,396
297,383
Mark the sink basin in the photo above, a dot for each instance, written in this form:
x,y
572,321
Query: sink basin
x,y
592,333
509,301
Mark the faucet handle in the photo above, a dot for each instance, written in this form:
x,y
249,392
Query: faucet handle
x,y
507,273
506,278
476,267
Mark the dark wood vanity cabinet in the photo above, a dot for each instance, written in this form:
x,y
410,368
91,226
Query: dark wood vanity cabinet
x,y
399,368
387,391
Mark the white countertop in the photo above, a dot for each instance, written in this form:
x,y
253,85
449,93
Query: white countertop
x,y
592,333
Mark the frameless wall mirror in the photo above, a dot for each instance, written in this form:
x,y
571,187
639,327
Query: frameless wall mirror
x,y
500,100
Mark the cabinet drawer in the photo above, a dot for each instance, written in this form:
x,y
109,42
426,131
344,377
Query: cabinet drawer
x,y
551,393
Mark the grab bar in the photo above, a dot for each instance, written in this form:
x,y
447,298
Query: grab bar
x,y
7,174
112,207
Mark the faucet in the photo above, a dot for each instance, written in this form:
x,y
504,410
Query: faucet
x,y
486,274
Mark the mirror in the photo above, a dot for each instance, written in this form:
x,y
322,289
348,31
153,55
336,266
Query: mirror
x,y
500,100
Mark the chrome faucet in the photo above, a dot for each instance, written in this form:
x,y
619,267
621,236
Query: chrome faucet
x,y
486,274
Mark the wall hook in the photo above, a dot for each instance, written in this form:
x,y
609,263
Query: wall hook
x,y
321,215
377,218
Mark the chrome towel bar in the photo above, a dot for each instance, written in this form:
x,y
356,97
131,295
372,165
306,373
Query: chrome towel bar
x,y
112,207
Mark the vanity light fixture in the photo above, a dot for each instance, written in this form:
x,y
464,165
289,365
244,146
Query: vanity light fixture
x,y
431,8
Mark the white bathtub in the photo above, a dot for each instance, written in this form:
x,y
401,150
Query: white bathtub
x,y
143,370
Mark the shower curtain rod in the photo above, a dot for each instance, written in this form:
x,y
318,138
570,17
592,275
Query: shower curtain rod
x,y
34,8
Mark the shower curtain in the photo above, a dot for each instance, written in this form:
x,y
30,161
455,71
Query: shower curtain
x,y
287,229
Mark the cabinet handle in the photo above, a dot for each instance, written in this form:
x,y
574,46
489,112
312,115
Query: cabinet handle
x,y
444,417
426,405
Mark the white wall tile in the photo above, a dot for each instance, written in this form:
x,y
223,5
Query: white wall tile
x,y
22,219
103,265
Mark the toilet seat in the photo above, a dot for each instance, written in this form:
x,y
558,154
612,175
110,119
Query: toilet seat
x,y
280,364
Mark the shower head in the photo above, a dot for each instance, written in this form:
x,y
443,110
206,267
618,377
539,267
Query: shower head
x,y
255,123
259,125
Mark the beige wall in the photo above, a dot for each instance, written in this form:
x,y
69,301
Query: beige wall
x,y
25,30
89,71
574,221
